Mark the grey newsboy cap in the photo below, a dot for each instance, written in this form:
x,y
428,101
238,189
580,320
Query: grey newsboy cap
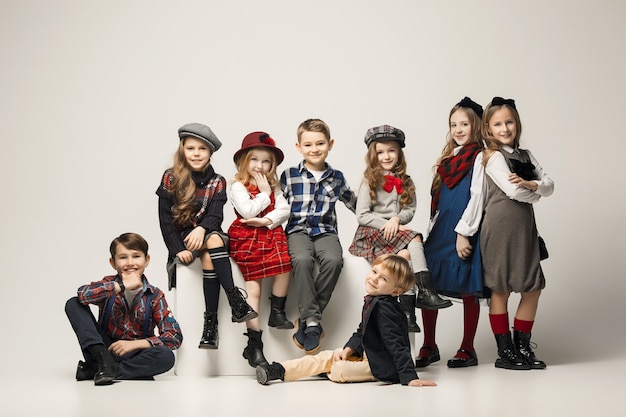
x,y
202,132
384,133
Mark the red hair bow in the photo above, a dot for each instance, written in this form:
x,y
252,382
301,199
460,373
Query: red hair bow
x,y
391,182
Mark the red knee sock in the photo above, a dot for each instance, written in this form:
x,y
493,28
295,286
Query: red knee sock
x,y
429,321
523,326
499,323
471,313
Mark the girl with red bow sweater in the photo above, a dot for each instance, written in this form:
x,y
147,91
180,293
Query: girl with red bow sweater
x,y
386,203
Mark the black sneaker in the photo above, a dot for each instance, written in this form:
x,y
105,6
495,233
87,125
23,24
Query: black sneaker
x,y
313,334
299,336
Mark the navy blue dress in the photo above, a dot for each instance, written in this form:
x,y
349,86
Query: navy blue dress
x,y
453,276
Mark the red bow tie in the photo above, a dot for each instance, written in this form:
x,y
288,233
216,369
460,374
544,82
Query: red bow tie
x,y
391,182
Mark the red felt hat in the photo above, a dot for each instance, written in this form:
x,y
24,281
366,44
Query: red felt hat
x,y
258,140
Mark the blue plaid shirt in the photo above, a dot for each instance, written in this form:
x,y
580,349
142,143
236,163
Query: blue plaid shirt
x,y
313,203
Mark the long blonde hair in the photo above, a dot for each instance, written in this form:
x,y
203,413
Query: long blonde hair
x,y
375,176
243,161
450,145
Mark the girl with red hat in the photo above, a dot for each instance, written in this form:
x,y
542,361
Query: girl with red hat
x,y
258,243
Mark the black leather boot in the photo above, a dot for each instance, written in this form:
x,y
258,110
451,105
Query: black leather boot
x,y
407,302
240,308
266,373
278,318
508,357
253,352
107,367
427,297
522,344
210,338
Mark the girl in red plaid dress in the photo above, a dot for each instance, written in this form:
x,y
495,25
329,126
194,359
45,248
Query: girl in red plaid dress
x,y
257,240
385,205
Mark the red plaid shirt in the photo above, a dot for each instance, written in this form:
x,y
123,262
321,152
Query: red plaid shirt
x,y
127,322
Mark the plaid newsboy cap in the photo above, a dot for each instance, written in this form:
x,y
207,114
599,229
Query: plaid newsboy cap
x,y
384,133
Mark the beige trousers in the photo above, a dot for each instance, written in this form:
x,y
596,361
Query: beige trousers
x,y
353,370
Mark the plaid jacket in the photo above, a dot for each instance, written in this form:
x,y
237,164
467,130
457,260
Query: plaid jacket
x,y
127,322
313,203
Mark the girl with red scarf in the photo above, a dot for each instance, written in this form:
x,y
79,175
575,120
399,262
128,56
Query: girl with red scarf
x,y
386,203
452,249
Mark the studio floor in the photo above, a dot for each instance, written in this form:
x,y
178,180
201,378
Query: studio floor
x,y
564,389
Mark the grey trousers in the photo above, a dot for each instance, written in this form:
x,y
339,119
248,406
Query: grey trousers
x,y
316,264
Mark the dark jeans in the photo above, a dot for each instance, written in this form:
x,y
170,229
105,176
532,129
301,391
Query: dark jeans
x,y
141,363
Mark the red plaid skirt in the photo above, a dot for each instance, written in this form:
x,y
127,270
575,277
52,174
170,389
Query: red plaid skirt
x,y
258,251
369,243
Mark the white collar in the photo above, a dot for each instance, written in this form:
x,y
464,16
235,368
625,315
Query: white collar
x,y
508,148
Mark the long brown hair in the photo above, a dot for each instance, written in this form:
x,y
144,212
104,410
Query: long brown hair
x,y
184,188
448,149
375,176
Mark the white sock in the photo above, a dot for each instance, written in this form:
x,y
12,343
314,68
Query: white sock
x,y
416,250
311,322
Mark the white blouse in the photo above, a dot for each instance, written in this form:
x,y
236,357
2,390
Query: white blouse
x,y
249,207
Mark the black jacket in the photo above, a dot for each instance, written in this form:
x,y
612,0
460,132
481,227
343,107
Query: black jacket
x,y
383,335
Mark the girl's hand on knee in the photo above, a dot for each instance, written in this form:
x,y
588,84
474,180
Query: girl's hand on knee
x,y
185,256
195,239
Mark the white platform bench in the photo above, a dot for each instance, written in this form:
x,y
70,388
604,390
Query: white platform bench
x,y
340,320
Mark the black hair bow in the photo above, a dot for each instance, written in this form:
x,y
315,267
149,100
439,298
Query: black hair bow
x,y
469,103
499,101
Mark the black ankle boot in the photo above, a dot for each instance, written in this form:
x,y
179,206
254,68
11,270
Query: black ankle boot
x,y
278,318
240,309
427,297
266,373
508,357
407,302
253,352
107,367
210,338
522,345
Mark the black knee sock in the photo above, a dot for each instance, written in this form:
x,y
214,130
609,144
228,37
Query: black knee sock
x,y
211,287
221,264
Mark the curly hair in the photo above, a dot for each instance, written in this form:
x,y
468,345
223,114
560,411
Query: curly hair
x,y
375,176
184,189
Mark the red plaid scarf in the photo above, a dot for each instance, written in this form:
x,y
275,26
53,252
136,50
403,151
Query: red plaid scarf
x,y
453,170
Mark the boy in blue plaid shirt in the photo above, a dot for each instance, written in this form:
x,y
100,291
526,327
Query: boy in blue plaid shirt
x,y
313,188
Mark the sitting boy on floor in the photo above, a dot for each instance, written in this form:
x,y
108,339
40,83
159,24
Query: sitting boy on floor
x,y
379,350
122,345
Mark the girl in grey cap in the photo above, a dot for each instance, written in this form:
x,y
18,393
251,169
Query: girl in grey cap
x,y
385,205
191,209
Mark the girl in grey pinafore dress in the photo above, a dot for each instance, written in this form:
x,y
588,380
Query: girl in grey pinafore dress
x,y
509,241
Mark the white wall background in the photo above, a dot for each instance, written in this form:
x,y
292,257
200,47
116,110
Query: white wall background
x,y
94,92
